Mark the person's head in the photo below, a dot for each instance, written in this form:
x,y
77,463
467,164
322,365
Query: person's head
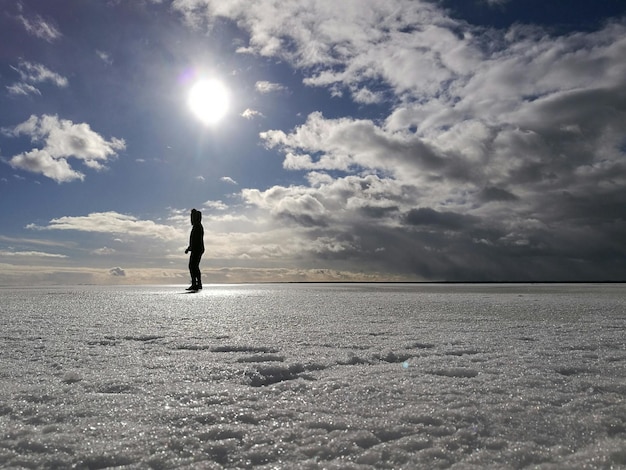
x,y
196,216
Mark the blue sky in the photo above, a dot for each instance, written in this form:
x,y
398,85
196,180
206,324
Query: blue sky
x,y
363,140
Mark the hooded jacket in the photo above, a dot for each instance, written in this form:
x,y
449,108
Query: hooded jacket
x,y
196,238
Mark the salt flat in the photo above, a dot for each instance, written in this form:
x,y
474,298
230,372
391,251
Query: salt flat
x,y
314,376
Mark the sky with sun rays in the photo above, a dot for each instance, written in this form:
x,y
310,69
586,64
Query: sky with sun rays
x,y
418,140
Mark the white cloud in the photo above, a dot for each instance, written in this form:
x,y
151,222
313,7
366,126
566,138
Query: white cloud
x,y
349,144
62,139
41,161
265,87
217,205
30,254
39,27
366,96
113,223
335,202
33,241
251,114
32,74
228,179
104,251
38,73
105,57
23,89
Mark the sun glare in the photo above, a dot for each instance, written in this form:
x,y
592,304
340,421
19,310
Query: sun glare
x,y
208,99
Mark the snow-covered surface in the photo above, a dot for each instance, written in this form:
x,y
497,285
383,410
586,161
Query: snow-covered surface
x,y
314,376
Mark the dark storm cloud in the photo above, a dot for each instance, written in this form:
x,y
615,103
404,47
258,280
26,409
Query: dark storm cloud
x,y
492,193
375,212
564,134
448,220
557,254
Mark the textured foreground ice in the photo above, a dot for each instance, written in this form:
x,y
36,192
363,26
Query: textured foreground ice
x,y
314,376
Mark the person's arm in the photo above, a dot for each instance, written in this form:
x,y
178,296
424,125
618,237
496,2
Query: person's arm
x,y
189,248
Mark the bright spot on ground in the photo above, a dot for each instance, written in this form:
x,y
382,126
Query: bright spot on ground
x,y
208,99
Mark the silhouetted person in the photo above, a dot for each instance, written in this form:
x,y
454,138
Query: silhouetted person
x,y
196,247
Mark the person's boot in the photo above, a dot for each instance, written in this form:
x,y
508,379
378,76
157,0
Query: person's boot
x,y
192,287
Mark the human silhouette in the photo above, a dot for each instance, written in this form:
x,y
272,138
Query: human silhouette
x,y
196,247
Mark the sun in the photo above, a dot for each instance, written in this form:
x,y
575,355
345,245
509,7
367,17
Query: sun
x,y
208,100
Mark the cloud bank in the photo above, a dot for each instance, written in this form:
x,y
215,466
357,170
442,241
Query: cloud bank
x,y
501,156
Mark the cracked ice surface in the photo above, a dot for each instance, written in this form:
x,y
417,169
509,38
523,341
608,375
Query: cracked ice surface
x,y
314,376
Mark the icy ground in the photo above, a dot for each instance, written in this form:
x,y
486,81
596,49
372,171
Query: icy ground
x,y
314,376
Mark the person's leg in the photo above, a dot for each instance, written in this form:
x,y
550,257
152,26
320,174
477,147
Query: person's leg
x,y
198,273
194,270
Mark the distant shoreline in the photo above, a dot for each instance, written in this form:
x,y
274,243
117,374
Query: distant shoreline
x,y
416,283
439,282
